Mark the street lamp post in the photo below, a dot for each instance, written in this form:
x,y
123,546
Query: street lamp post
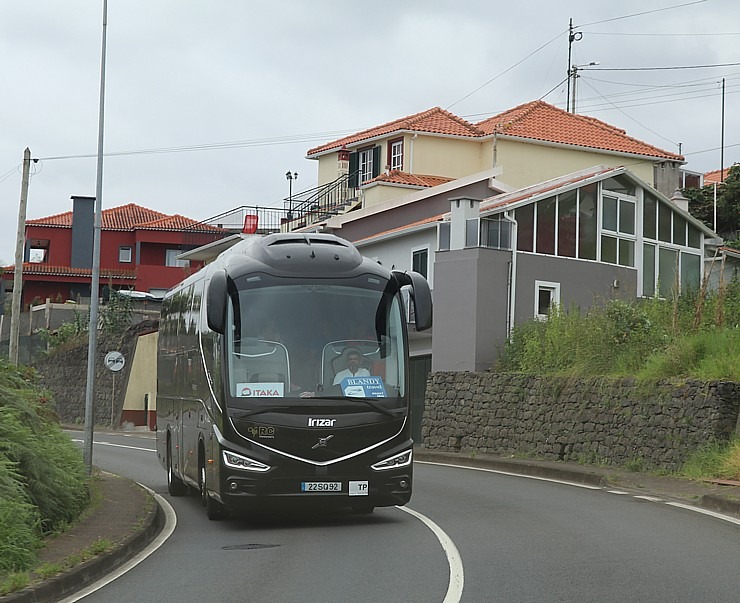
x,y
290,176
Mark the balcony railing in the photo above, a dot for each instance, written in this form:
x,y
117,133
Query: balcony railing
x,y
320,203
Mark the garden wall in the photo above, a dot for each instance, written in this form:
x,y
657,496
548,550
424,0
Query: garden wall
x,y
619,422
64,374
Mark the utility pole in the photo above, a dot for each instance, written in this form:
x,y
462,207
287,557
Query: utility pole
x,y
573,36
722,144
15,317
92,345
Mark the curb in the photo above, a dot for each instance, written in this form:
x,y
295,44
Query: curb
x,y
55,588
720,504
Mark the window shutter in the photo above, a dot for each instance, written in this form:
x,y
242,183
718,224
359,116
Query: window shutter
x,y
376,161
354,167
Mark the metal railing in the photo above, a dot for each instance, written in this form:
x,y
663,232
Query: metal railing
x,y
320,203
303,209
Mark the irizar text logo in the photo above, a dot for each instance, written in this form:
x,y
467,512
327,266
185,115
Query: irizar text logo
x,y
321,422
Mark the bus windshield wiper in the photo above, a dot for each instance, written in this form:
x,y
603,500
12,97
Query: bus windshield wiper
x,y
367,401
240,414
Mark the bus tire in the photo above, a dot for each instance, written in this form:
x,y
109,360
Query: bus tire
x,y
214,509
175,485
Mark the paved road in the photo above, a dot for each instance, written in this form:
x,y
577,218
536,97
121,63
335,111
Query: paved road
x,y
518,539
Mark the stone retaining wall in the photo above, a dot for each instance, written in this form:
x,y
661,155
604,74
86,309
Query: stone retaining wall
x,y
64,374
618,422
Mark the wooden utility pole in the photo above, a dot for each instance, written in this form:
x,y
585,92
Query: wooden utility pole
x,y
15,316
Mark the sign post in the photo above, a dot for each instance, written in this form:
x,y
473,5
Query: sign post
x,y
115,362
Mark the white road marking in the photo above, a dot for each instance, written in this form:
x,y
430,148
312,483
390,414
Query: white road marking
x,y
118,445
706,512
457,576
498,471
169,527
619,492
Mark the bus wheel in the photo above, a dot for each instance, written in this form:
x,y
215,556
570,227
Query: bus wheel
x,y
214,509
175,485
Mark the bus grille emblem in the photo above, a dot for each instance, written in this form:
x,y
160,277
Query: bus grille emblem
x,y
322,442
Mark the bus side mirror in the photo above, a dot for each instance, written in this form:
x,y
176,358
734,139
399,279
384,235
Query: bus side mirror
x,y
216,302
421,297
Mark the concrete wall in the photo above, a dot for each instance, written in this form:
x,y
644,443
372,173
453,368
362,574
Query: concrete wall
x,y
142,382
470,308
581,282
619,422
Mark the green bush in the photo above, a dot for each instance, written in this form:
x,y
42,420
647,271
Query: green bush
x,y
695,335
43,483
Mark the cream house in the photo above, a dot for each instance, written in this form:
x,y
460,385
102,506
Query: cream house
x,y
529,144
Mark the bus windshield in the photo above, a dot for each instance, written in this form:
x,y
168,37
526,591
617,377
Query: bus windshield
x,y
296,339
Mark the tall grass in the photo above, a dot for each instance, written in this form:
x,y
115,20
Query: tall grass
x,y
43,484
696,335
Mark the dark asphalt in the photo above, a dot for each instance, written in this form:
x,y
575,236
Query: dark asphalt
x,y
130,517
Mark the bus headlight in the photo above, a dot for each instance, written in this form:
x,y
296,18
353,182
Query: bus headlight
x,y
399,460
237,461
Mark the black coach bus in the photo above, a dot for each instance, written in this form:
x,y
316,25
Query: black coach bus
x,y
283,377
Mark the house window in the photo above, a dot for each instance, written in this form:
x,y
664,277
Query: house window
x,y
587,222
366,165
443,236
395,154
170,258
38,252
648,270
546,226
567,216
546,298
420,262
525,232
618,226
124,255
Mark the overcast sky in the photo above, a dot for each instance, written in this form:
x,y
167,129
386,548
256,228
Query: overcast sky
x,y
209,103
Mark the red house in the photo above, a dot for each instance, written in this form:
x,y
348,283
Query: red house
x,y
138,250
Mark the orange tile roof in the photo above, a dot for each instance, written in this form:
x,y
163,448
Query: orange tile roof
x,y
398,177
539,120
714,177
30,268
435,121
129,217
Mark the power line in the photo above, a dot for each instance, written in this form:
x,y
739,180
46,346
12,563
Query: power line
x,y
659,68
647,12
692,35
299,138
505,71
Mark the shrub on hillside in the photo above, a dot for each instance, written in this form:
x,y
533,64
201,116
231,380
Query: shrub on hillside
x,y
43,484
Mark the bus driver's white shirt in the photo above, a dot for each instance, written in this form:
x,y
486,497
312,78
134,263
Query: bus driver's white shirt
x,y
361,372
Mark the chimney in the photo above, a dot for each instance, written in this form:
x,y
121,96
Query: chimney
x,y
83,224
680,201
463,209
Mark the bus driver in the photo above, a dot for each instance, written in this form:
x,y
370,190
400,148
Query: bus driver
x,y
354,357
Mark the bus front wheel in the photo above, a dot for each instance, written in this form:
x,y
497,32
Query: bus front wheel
x,y
214,509
175,485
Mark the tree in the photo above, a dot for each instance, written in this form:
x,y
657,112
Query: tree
x,y
701,206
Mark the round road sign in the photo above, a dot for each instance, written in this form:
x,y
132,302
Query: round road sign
x,y
114,361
